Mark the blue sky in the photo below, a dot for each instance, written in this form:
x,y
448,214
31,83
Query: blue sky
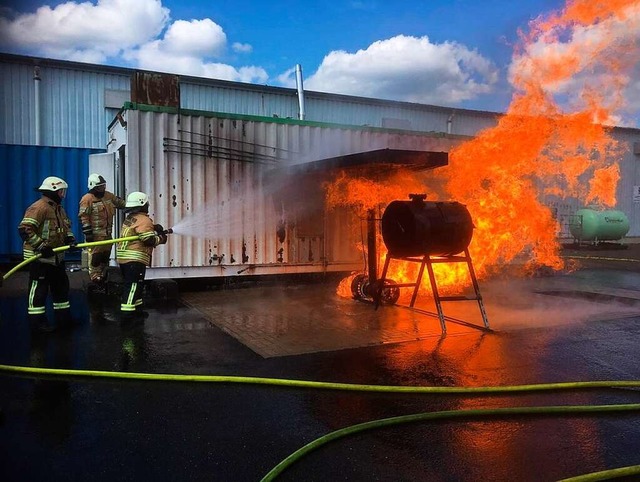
x,y
451,53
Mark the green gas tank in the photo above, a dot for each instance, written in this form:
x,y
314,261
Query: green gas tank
x,y
592,225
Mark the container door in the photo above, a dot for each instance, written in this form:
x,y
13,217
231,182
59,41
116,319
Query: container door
x,y
106,165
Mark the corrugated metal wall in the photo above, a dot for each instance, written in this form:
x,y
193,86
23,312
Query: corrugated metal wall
x,y
336,109
240,193
629,178
74,114
72,105
626,199
23,168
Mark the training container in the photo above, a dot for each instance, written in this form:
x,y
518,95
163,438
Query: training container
x,y
254,184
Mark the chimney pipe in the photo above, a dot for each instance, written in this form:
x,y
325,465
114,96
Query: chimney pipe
x,y
36,104
300,91
450,122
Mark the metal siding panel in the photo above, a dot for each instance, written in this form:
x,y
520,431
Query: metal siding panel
x,y
17,94
24,168
422,118
237,101
629,165
235,190
73,113
629,177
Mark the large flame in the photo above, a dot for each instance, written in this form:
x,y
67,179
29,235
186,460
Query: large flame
x,y
569,73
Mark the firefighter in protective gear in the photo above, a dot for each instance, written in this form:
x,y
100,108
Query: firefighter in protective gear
x,y
134,256
46,226
97,209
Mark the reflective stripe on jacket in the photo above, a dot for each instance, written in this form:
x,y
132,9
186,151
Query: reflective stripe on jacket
x,y
141,225
44,221
98,213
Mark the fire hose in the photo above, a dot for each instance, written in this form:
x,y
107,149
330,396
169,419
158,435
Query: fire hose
x,y
61,249
507,412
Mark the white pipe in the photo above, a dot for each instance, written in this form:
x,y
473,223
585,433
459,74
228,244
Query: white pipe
x,y
450,122
36,103
300,91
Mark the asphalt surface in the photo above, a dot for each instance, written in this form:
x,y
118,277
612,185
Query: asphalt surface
x,y
63,429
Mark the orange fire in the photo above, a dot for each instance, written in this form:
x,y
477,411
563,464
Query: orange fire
x,y
569,73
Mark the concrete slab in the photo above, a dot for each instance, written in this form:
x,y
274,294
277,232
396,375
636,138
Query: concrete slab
x,y
293,320
284,321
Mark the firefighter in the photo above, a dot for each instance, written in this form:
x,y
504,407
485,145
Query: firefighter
x,y
134,256
46,226
97,209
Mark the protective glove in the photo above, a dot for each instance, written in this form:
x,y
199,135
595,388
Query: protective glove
x,y
72,243
158,229
45,250
88,234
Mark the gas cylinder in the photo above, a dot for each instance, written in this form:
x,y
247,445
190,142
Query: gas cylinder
x,y
593,225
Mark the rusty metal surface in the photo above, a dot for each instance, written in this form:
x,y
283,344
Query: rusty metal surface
x,y
232,169
155,89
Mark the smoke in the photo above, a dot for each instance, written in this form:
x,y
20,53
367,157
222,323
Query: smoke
x,y
547,302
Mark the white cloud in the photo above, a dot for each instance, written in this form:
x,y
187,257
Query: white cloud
x,y
83,30
140,33
128,29
405,68
198,38
242,48
186,49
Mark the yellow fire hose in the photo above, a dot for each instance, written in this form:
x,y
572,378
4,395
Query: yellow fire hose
x,y
65,248
465,414
37,372
22,371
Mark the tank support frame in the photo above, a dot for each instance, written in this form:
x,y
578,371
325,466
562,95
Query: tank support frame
x,y
428,261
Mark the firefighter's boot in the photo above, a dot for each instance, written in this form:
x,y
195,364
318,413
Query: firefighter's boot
x,y
40,324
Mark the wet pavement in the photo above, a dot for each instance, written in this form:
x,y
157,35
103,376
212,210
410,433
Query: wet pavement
x,y
582,325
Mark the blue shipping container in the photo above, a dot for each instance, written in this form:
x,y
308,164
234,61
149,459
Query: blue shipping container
x,y
23,168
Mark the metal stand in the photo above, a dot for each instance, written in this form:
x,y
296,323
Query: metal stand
x,y
428,261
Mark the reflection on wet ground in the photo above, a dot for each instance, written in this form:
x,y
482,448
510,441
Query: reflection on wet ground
x,y
576,326
282,321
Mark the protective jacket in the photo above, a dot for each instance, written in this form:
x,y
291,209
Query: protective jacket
x,y
139,250
45,222
96,214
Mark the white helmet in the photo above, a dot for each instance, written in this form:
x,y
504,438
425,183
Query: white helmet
x,y
95,180
136,199
53,183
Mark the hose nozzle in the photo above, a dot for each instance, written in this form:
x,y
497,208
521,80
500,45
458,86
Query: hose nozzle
x,y
168,231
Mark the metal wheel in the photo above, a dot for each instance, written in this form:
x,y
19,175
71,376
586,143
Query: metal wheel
x,y
358,286
390,292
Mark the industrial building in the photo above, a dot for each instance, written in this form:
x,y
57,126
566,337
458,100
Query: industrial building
x,y
257,154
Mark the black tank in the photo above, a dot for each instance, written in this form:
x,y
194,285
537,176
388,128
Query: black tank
x,y
419,227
